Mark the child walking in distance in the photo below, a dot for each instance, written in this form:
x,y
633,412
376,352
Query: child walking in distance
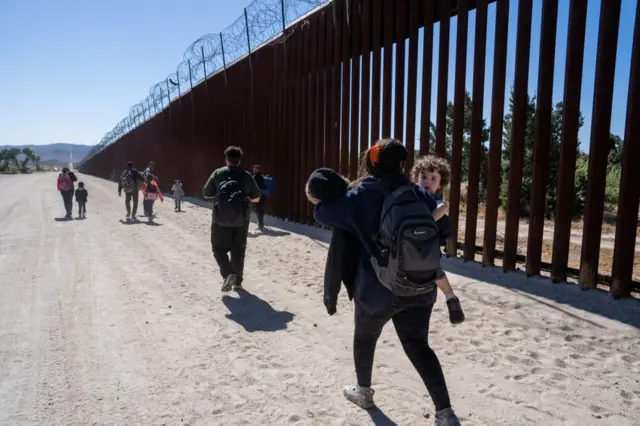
x,y
81,198
432,174
396,270
178,194
150,193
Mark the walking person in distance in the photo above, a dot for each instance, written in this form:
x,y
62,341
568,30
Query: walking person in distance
x,y
232,189
65,185
130,182
259,206
81,198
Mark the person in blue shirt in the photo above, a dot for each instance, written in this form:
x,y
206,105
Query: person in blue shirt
x,y
358,212
432,174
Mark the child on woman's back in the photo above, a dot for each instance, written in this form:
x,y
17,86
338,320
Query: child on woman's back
x,y
432,174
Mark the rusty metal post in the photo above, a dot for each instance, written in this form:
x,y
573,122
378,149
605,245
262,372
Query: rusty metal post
x,y
224,61
599,146
377,72
443,79
398,102
412,82
356,47
321,100
569,147
458,123
306,122
346,77
629,197
518,134
542,135
387,83
366,75
329,141
204,70
337,89
475,149
427,74
312,132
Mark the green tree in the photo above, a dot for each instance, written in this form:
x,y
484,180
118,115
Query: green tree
x,y
554,157
29,155
466,141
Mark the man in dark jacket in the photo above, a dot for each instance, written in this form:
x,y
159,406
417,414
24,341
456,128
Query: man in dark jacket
x,y
131,180
231,189
259,206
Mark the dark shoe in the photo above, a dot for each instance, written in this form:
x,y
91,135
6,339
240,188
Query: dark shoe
x,y
446,417
456,316
238,287
229,283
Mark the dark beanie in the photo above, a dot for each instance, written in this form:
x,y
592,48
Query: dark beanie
x,y
326,183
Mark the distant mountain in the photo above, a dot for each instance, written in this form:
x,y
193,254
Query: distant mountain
x,y
56,153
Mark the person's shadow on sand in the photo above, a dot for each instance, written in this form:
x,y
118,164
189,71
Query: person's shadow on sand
x,y
379,418
254,314
268,233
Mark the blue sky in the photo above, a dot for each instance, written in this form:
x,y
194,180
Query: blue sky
x,y
73,68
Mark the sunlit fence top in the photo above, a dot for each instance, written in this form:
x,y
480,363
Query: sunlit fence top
x,y
260,22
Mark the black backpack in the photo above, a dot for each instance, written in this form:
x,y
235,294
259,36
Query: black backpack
x,y
406,258
128,182
230,203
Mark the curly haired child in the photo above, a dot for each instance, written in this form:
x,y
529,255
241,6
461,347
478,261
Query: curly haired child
x,y
432,173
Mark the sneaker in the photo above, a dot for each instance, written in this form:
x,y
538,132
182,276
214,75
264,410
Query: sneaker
x,y
456,316
362,397
134,218
446,417
238,287
229,282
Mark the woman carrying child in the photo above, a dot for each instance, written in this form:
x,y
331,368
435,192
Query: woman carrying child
x,y
359,212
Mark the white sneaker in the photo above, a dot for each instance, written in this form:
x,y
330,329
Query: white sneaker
x,y
362,397
229,283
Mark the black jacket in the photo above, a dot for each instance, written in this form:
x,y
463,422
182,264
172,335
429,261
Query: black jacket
x,y
81,195
341,267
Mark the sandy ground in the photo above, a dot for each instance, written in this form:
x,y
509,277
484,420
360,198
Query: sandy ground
x,y
107,323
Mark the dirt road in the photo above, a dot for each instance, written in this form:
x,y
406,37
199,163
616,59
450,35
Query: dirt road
x,y
107,323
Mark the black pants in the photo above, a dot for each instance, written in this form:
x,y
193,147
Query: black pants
x,y
148,207
67,198
412,327
259,209
225,241
127,202
82,208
